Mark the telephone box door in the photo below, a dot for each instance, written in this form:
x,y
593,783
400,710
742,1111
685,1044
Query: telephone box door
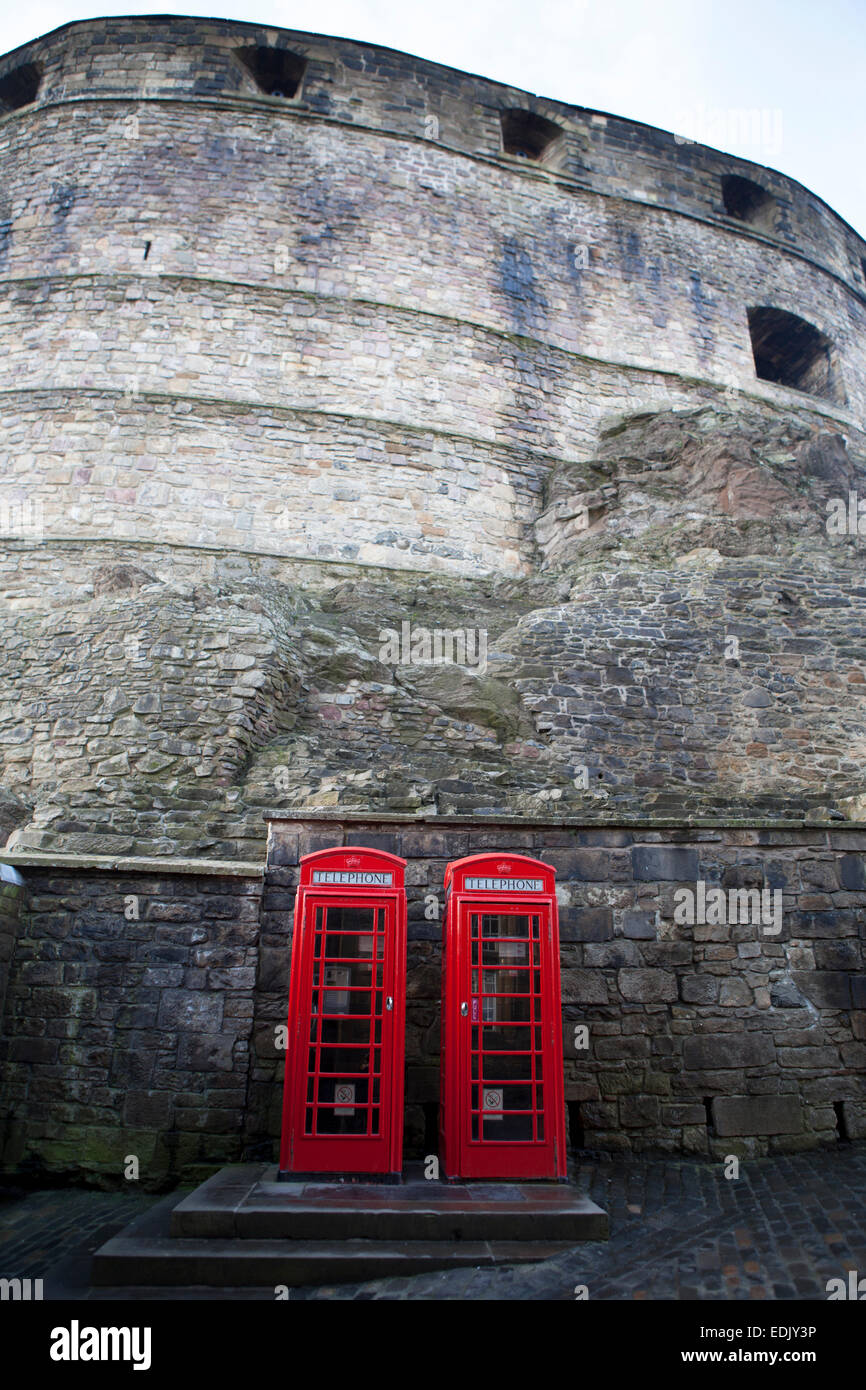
x,y
343,1097
503,1089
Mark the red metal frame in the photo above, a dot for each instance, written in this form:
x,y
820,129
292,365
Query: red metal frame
x,y
507,977
332,1010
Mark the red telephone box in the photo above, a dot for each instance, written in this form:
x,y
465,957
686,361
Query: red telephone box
x,y
343,1094
502,1112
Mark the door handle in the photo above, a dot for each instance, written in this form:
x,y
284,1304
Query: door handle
x,y
464,1009
389,1003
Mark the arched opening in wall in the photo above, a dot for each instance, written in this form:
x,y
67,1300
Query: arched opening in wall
x,y
791,352
528,136
275,71
749,202
20,87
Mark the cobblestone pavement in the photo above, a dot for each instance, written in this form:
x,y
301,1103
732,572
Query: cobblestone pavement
x,y
40,1228
679,1230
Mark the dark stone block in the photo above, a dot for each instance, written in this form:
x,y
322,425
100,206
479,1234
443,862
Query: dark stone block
x,y
610,839
639,925
326,837
611,955
182,1009
785,995
439,844
362,839
278,901
713,1052
827,989
591,865
753,1115
743,876
636,1112
423,930
147,1109
174,912
287,877
858,991
36,1050
584,987
699,989
205,1052
519,841
853,872
585,924
838,955
683,1114
664,863
618,1049
282,849
273,971
647,986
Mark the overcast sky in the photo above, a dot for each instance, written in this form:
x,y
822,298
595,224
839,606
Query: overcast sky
x,y
780,82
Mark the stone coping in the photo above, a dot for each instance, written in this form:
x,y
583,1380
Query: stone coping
x,y
229,868
617,822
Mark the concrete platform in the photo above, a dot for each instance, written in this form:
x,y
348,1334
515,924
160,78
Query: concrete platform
x,y
243,1228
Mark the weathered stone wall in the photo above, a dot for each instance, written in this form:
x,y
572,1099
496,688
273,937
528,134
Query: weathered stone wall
x,y
279,374
157,702
360,85
156,1035
304,327
702,1039
128,1035
11,903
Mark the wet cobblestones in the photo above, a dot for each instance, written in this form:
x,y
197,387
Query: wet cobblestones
x,y
680,1230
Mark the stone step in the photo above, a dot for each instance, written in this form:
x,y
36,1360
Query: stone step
x,y
243,1229
169,1261
230,1206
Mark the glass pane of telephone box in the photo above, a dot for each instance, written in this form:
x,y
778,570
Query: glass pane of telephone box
x,y
345,1092
494,924
506,1105
346,1008
512,953
497,1066
505,980
349,932
497,1038
500,1107
506,1010
343,1120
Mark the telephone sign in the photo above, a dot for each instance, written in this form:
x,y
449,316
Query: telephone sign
x,y
502,1112
343,1092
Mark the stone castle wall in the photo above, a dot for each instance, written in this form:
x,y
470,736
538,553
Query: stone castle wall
x,y
128,1035
12,896
323,326
282,372
165,702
